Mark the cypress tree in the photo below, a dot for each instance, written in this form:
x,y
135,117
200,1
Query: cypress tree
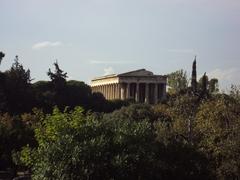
x,y
194,75
1,56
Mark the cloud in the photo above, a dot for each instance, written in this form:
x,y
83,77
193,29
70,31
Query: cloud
x,y
182,51
108,71
226,74
110,62
226,77
46,44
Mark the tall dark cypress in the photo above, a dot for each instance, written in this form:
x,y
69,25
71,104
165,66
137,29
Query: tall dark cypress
x,y
194,75
1,56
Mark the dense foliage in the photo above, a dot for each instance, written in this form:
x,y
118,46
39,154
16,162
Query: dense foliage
x,y
19,95
194,134
77,146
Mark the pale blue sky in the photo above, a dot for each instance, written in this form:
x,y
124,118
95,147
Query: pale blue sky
x,y
93,37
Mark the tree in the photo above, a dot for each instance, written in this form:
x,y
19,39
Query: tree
x,y
15,133
194,75
1,56
207,87
18,90
58,82
203,86
79,94
235,92
92,146
58,77
2,85
44,95
217,132
213,86
177,81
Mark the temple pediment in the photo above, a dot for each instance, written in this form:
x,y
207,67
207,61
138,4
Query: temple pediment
x,y
139,72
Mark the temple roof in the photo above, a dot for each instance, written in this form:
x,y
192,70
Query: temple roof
x,y
138,72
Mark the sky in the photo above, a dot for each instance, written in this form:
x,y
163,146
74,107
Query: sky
x,y
91,38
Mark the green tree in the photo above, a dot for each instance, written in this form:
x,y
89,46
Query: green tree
x,y
235,92
79,94
177,81
15,132
203,86
58,77
213,86
18,90
44,95
77,146
217,132
58,83
207,87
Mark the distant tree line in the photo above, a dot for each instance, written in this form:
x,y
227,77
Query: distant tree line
x,y
19,95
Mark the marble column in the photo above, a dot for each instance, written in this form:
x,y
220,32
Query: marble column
x,y
146,93
108,91
122,91
164,91
118,91
155,93
115,91
128,91
105,91
112,91
137,93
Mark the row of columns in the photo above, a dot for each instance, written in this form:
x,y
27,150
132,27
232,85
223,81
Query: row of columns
x,y
123,91
110,91
158,92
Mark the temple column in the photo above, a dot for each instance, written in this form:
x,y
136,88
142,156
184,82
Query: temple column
x,y
122,92
164,91
106,91
103,91
115,91
146,93
137,92
118,91
155,93
109,91
112,91
128,91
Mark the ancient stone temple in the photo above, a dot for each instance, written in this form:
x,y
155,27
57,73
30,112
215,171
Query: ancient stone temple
x,y
140,85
